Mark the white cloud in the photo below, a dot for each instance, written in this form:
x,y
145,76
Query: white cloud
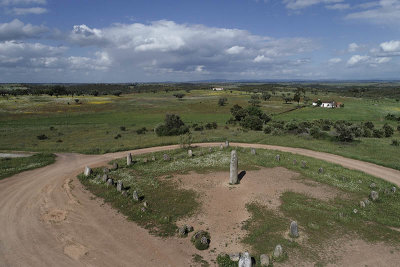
x,y
335,60
29,10
381,12
391,46
300,4
353,47
235,50
17,30
368,60
357,59
22,2
338,6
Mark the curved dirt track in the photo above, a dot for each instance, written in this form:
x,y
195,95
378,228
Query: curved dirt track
x,y
48,219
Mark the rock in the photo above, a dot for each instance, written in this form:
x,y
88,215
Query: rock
x,y
294,231
245,260
226,143
233,175
190,153
88,171
135,196
264,260
124,193
166,157
210,149
374,195
106,170
278,252
110,181
189,228
373,185
321,170
253,151
204,240
104,178
145,160
355,211
367,202
303,164
394,189
234,256
294,162
278,157
182,231
115,166
359,181
129,159
386,191
98,176
362,204
153,158
120,186
221,147
143,209
145,204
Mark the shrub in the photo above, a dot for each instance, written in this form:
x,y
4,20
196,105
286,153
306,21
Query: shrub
x,y
223,260
357,131
267,129
378,133
277,131
389,131
142,130
344,133
315,132
212,125
222,101
198,128
42,137
395,142
122,128
179,95
369,125
291,126
173,126
390,117
367,132
252,122
238,112
196,240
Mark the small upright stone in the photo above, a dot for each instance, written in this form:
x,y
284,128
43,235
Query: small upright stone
x,y
204,240
355,211
104,178
145,160
115,166
145,204
303,164
129,159
221,147
374,195
362,204
234,256
166,157
153,158
110,181
321,170
367,202
386,191
226,143
88,171
294,162
124,193
106,170
190,153
233,175
253,151
278,252
210,149
120,186
264,260
373,185
394,189
245,260
135,196
278,157
294,231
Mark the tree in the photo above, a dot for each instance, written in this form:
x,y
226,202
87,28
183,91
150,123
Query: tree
x,y
173,125
222,101
179,95
238,112
287,99
266,96
296,98
252,122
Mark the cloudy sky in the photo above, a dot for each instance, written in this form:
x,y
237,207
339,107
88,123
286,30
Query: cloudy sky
x,y
183,40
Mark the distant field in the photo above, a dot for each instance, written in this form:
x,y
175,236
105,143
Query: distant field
x,y
92,124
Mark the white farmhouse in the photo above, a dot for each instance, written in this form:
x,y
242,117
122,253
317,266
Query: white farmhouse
x,y
218,89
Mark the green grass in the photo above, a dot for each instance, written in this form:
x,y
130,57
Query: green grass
x,y
320,221
11,166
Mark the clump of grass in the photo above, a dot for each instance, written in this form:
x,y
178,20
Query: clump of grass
x,y
199,259
223,260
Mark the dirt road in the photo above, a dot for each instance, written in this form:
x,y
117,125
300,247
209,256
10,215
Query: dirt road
x,y
48,219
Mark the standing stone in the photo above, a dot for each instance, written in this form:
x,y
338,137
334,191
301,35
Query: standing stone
x,y
135,196
386,191
303,164
278,157
221,147
394,189
374,195
190,153
294,231
106,170
145,160
362,204
88,171
253,151
321,170
264,260
104,178
367,202
226,143
355,211
373,185
234,256
115,166
120,186
245,260
204,240
278,252
145,204
233,178
124,193
294,162
129,159
210,149
153,158
166,157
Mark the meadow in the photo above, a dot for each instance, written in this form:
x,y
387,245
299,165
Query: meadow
x,y
107,123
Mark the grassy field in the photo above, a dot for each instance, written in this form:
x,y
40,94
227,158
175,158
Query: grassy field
x,y
11,166
97,122
321,221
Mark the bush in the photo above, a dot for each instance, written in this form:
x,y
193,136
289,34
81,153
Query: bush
x,y
369,125
222,101
199,128
367,132
238,112
141,130
389,131
212,125
395,142
252,122
344,133
122,128
291,126
173,126
378,133
179,95
223,260
267,129
196,240
42,137
315,132
390,117
357,131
